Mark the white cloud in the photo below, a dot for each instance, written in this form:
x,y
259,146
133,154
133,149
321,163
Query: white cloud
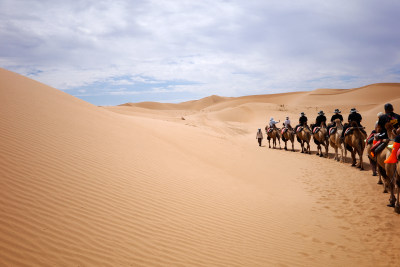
x,y
224,47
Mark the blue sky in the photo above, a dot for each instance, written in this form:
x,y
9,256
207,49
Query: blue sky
x,y
113,52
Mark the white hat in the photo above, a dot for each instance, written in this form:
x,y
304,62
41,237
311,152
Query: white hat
x,y
271,119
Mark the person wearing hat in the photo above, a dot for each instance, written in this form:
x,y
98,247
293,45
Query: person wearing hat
x,y
302,121
354,116
394,119
286,123
272,123
378,134
259,137
320,119
335,116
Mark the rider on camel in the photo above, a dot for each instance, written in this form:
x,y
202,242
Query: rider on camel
x,y
319,120
354,116
286,123
394,119
302,121
272,123
335,116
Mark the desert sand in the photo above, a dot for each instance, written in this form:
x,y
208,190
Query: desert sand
x,y
152,184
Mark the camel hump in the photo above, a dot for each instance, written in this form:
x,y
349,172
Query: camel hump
x,y
337,121
354,124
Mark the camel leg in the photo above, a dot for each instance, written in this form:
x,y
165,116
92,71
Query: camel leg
x,y
380,179
279,140
327,149
385,179
285,145
342,158
392,199
373,167
269,143
293,145
336,157
302,146
391,183
353,158
361,160
397,206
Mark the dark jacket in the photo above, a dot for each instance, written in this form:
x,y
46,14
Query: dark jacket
x,y
303,120
337,116
320,119
355,117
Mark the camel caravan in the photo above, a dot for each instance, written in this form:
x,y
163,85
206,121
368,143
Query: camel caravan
x,y
382,145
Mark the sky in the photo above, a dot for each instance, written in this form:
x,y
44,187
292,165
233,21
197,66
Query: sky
x,y
114,52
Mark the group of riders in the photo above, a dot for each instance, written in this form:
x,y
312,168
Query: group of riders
x,y
375,138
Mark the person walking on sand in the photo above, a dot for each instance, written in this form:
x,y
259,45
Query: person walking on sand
x,y
259,137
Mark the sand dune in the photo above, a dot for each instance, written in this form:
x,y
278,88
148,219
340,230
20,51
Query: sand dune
x,y
136,185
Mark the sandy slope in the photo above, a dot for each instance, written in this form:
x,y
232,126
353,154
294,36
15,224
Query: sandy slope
x,y
139,186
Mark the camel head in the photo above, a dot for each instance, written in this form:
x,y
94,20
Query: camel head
x,y
339,124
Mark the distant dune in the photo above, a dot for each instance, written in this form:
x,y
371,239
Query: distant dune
x,y
156,184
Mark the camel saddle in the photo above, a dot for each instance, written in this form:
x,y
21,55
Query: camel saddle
x,y
300,128
390,147
270,130
284,130
370,138
348,131
332,130
316,130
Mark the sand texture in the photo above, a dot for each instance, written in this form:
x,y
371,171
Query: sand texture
x,y
153,184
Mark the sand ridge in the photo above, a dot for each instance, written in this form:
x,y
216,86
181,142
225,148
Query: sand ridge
x,y
136,185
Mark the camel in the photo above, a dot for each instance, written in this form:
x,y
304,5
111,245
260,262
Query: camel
x,y
335,141
288,135
355,143
274,134
320,135
388,170
304,136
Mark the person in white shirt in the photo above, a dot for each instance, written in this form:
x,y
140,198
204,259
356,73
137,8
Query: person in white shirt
x,y
287,123
272,123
